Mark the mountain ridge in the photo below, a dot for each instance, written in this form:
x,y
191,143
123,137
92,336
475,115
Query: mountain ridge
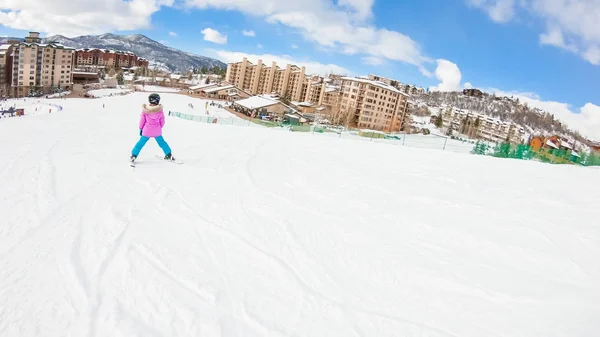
x,y
163,57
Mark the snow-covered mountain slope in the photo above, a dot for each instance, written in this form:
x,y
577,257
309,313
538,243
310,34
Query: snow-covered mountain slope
x,y
272,233
157,53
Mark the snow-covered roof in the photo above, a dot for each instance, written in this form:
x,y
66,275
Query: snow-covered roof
x,y
175,76
566,145
200,86
5,46
549,143
574,153
110,51
304,104
44,45
85,73
375,83
257,102
229,86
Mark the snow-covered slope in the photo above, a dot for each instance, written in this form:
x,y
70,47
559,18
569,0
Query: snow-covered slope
x,y
267,233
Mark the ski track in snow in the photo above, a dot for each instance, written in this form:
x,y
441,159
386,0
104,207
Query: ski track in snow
x,y
269,233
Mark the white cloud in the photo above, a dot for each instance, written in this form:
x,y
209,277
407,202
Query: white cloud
x,y
499,10
248,33
361,7
449,76
72,18
214,36
312,67
343,26
592,55
259,46
372,60
295,46
468,85
586,119
173,34
571,25
554,37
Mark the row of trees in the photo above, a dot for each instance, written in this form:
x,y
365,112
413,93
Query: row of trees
x,y
524,151
216,70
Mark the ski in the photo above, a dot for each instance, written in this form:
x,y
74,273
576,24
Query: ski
x,y
176,161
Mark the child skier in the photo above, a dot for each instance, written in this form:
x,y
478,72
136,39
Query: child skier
x,y
152,121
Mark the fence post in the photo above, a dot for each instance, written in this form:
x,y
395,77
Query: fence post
x,y
403,139
445,141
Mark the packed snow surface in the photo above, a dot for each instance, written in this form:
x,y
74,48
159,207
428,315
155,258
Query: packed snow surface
x,y
109,92
267,233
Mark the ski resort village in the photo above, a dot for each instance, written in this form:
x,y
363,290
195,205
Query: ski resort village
x,y
141,197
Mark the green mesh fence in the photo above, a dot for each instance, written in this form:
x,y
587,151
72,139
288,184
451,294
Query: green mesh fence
x,y
502,150
525,152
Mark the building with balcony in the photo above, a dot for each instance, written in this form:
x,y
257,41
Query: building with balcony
x,y
372,104
484,127
6,65
107,58
290,82
41,67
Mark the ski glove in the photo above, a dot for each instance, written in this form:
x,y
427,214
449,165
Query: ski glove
x,y
140,132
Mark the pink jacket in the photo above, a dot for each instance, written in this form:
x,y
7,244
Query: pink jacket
x,y
152,120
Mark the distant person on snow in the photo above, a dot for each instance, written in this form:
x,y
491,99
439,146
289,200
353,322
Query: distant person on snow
x,y
152,121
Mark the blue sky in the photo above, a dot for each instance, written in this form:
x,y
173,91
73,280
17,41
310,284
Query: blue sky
x,y
544,51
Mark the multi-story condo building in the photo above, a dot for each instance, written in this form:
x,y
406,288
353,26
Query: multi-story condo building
x,y
40,67
481,126
290,82
6,64
106,58
332,97
372,104
259,78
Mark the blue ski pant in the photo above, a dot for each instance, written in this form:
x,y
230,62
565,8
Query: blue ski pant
x,y
143,140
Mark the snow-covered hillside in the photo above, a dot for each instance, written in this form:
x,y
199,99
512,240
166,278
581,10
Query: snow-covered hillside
x,y
508,109
266,233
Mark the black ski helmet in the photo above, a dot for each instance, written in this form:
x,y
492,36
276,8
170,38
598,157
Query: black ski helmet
x,y
154,99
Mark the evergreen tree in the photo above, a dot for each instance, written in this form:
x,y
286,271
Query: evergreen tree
x,y
439,122
502,150
477,149
120,78
450,130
